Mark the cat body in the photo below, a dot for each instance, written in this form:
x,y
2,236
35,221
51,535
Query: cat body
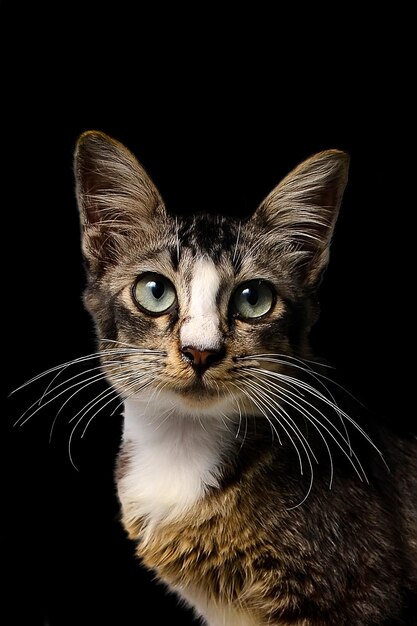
x,y
334,559
246,488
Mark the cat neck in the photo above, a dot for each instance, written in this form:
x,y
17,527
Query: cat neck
x,y
172,456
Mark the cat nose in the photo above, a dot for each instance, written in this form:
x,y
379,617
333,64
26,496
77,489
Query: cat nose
x,y
201,360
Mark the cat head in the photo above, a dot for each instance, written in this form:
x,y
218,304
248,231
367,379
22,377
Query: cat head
x,y
181,303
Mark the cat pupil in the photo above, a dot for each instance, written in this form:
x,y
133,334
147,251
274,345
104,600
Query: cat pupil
x,y
251,296
157,289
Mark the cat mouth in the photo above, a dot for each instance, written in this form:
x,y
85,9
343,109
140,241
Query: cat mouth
x,y
197,391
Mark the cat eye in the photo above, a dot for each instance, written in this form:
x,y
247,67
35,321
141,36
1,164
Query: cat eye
x,y
154,293
253,299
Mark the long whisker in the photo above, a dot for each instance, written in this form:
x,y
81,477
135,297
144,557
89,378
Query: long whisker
x,y
123,375
103,396
122,366
237,243
20,421
177,239
133,347
230,392
70,440
307,363
299,397
93,402
83,359
127,396
54,369
261,384
294,401
318,376
101,375
105,391
261,409
259,392
282,397
319,396
48,389
104,406
109,352
298,453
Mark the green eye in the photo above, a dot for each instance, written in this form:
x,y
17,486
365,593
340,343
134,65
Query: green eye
x,y
253,299
154,293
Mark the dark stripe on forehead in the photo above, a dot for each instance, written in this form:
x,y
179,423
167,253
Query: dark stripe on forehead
x,y
208,234
150,255
173,254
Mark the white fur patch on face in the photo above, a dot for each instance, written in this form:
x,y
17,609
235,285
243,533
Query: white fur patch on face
x,y
200,328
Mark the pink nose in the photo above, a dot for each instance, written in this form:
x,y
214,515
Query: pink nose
x,y
201,359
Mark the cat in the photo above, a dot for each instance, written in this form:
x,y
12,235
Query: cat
x,y
245,487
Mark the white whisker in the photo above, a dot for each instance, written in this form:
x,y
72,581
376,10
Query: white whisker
x,y
259,392
256,393
81,384
316,375
300,436
295,399
88,357
229,391
129,395
318,395
130,386
90,419
261,409
105,391
177,237
133,347
235,252
20,421
282,412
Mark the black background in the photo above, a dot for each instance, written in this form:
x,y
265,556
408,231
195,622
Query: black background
x,y
212,138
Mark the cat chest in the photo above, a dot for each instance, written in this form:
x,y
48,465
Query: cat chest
x,y
219,562
219,549
208,553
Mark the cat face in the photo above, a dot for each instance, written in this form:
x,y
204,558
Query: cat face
x,y
180,303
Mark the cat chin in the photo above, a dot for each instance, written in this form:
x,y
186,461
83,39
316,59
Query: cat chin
x,y
186,405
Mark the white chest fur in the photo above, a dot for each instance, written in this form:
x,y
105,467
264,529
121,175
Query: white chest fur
x,y
173,458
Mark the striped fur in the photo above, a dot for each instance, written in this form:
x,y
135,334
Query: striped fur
x,y
246,488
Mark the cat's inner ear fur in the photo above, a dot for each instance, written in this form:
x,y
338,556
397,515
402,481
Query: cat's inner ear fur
x,y
115,195
301,212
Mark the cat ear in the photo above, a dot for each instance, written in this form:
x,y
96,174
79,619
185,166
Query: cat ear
x,y
115,195
301,212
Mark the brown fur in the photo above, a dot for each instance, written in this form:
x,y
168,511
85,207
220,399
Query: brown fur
x,y
244,547
346,555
